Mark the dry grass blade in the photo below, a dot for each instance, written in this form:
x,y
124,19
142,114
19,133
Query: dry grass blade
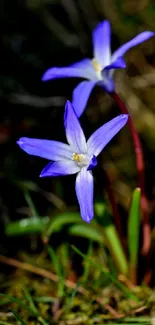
x,y
44,273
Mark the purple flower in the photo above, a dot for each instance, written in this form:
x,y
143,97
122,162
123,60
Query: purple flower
x,y
100,69
78,156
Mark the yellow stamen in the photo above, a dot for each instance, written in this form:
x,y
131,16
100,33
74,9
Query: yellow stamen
x,y
96,65
77,157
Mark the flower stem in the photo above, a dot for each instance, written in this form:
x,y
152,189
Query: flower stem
x,y
141,177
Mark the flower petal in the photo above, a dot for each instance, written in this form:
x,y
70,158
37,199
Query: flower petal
x,y
83,69
52,150
60,168
81,95
101,43
119,63
85,191
135,41
107,82
100,138
74,132
107,74
93,163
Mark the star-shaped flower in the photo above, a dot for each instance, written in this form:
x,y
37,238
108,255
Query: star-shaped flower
x,y
100,69
78,156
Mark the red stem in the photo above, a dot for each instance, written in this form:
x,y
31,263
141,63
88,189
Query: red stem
x,y
141,177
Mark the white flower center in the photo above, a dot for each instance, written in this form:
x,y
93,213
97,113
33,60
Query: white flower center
x,y
81,159
97,67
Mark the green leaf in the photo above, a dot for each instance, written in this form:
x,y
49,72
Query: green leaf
x,y
87,231
33,225
100,209
133,232
115,247
60,221
112,239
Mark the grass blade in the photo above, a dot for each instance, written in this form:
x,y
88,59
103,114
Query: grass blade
x,y
19,302
30,301
133,234
58,270
18,317
45,299
30,204
128,293
5,323
74,292
87,263
112,240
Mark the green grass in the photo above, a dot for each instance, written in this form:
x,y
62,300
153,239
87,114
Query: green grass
x,y
37,300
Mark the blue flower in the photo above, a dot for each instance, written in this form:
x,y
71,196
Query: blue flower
x,y
100,69
77,157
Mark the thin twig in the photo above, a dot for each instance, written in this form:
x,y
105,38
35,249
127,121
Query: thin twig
x,y
44,273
